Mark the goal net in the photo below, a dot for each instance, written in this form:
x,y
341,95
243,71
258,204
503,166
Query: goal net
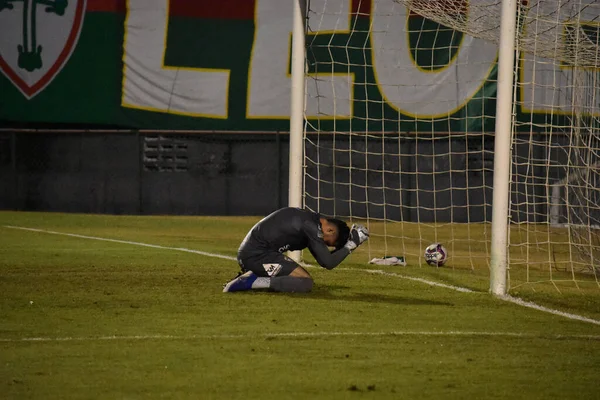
x,y
399,130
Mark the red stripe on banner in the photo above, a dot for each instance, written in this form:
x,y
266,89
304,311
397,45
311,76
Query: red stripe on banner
x,y
117,6
362,8
223,9
453,8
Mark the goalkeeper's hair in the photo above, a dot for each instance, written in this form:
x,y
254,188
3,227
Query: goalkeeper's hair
x,y
343,232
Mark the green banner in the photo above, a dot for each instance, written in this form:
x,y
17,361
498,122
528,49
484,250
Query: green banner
x,y
210,65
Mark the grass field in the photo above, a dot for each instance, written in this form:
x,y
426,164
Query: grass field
x,y
82,318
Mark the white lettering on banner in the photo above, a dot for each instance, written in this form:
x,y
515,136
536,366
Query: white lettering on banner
x,y
548,75
269,80
411,90
150,85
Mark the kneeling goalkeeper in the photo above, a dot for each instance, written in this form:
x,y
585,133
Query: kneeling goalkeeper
x,y
261,258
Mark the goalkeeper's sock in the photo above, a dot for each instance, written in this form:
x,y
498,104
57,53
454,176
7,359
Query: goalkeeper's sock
x,y
261,283
291,284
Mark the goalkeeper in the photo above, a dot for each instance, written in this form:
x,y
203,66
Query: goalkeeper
x,y
261,258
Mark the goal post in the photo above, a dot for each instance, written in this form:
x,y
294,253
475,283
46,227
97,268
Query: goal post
x,y
471,123
297,104
503,139
296,147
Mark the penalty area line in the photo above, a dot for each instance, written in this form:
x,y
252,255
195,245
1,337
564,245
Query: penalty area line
x,y
506,298
292,335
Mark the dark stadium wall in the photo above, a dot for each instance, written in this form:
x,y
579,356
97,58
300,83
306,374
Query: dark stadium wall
x,y
247,174
143,174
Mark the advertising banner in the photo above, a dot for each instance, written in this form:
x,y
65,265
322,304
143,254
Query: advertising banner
x,y
225,65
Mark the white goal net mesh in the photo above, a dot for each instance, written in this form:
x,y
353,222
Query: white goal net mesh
x,y
400,130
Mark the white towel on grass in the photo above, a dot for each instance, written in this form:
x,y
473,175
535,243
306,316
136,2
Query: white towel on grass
x,y
389,260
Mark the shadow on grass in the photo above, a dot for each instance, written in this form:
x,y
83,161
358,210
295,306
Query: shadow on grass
x,y
341,294
370,298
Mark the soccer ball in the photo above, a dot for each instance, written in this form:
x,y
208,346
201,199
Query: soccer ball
x,y
436,254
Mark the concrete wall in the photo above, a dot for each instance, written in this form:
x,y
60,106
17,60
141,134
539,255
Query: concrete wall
x,y
127,173
246,174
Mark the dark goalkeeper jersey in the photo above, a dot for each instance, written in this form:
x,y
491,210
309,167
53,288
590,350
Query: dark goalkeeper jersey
x,y
291,229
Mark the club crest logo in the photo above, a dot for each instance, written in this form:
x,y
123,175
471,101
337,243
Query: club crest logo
x,y
272,269
37,38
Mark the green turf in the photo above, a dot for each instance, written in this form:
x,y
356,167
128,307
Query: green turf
x,y
116,321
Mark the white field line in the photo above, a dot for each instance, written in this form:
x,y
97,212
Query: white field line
x,y
529,304
154,246
410,278
292,335
510,299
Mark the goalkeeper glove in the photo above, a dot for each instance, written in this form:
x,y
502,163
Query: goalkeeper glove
x,y
358,235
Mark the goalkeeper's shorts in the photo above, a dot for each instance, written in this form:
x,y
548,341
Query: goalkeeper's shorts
x,y
267,264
